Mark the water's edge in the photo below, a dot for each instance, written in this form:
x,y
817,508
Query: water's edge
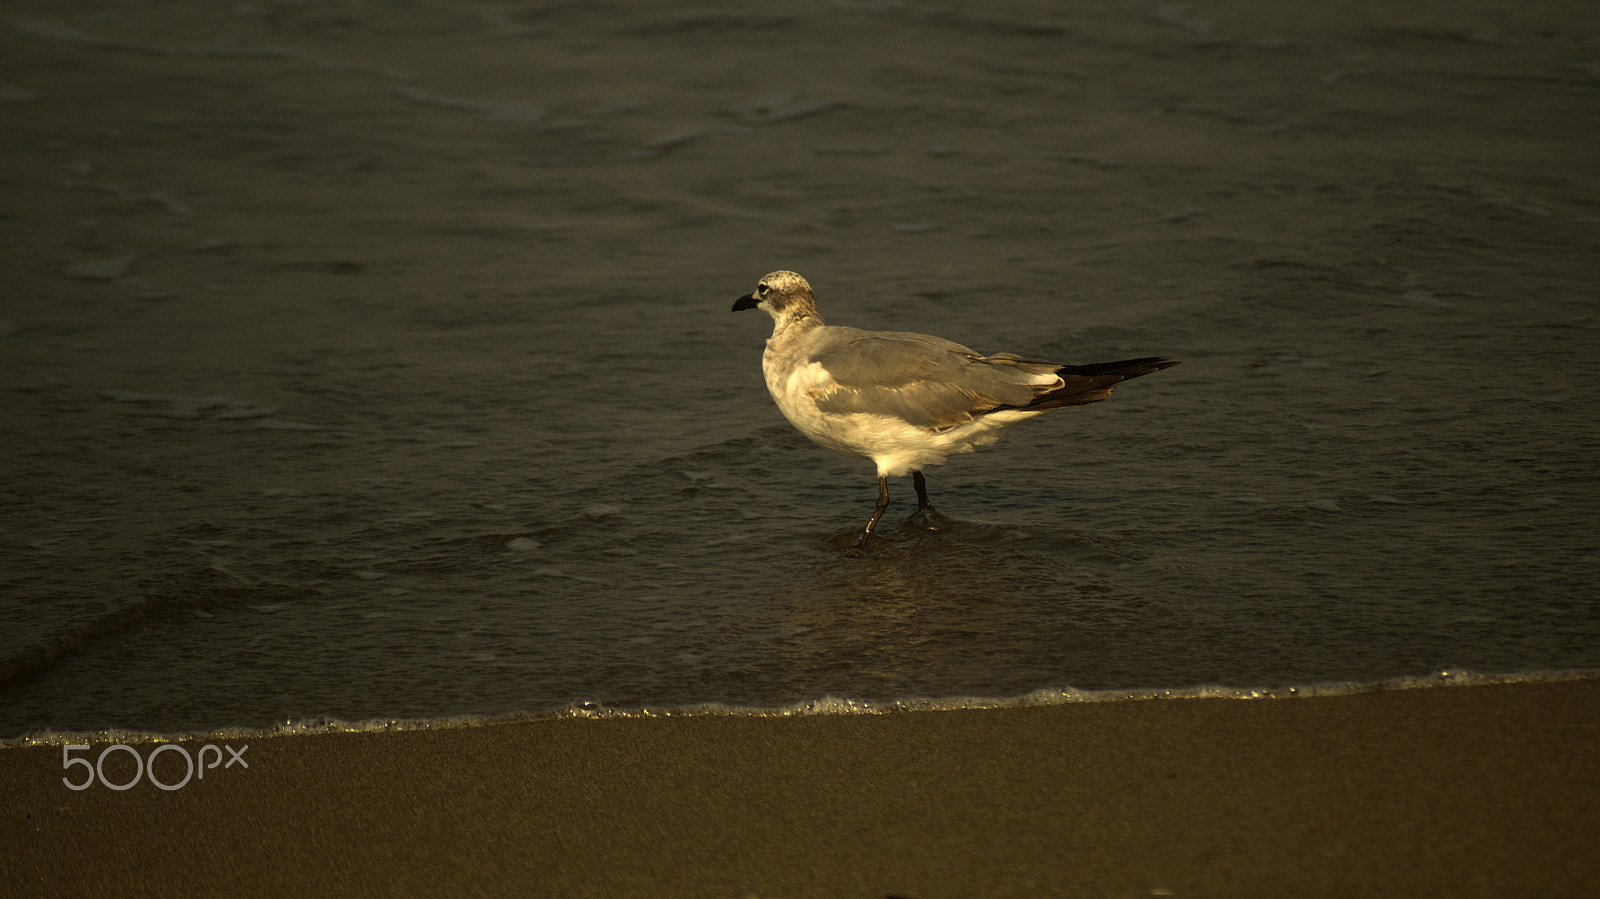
x,y
822,706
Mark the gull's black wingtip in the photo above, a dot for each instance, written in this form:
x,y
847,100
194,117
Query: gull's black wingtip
x,y
1127,368
1085,384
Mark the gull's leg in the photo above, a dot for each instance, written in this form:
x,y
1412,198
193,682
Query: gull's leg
x,y
883,503
925,516
923,505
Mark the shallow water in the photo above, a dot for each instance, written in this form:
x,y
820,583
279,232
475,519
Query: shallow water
x,y
369,361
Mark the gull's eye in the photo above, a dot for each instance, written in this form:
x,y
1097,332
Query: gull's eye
x,y
763,288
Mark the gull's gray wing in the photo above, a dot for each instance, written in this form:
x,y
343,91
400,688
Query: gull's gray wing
x,y
926,381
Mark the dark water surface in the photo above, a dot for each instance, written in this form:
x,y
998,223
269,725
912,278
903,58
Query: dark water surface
x,y
371,360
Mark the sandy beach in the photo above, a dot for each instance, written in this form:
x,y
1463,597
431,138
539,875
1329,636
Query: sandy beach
x,y
1448,791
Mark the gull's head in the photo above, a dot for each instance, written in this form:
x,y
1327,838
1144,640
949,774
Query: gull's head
x,y
784,295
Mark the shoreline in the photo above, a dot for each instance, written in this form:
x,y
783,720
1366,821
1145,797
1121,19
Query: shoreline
x,y
822,706
1474,790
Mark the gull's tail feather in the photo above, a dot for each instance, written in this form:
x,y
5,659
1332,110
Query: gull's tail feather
x,y
1092,383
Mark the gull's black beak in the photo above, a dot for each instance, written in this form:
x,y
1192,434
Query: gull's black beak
x,y
748,301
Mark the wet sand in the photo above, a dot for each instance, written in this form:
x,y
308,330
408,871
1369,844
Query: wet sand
x,y
1449,791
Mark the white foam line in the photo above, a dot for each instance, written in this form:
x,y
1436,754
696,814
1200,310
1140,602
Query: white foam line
x,y
824,706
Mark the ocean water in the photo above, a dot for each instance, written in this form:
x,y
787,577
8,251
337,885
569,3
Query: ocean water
x,y
369,363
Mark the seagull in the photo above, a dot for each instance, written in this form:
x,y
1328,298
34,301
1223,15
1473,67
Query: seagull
x,y
905,400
